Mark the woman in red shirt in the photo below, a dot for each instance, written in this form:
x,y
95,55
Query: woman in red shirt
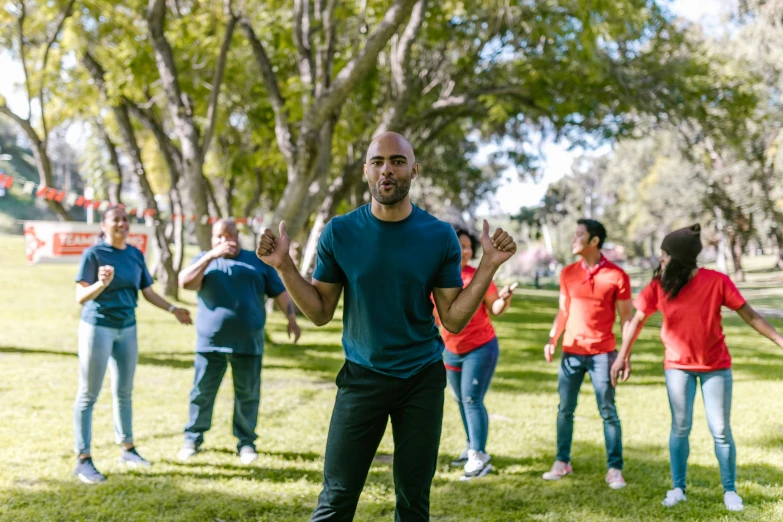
x,y
690,300
470,359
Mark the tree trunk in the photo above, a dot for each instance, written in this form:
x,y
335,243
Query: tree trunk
x,y
547,237
44,166
736,256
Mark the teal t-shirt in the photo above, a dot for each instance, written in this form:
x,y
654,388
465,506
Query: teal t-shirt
x,y
389,270
231,313
115,307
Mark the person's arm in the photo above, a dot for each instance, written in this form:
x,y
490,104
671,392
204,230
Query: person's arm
x,y
192,277
456,306
182,314
558,326
283,300
498,302
761,325
317,300
87,287
631,331
624,312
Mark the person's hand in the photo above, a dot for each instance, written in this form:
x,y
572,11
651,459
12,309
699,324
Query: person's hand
x,y
620,368
105,274
507,291
273,250
182,315
497,248
293,329
549,350
224,249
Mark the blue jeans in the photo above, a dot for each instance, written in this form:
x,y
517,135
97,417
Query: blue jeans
x,y
716,390
469,376
569,380
210,368
100,346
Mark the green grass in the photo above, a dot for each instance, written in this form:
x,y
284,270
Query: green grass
x,y
38,379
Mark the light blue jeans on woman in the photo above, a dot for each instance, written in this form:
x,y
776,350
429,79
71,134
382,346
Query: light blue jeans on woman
x,y
469,376
100,346
716,390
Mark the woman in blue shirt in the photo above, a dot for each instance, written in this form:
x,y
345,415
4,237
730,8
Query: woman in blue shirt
x,y
110,275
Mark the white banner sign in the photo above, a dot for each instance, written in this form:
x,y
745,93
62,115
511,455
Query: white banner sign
x,y
63,242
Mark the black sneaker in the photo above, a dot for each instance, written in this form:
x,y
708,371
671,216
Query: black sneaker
x,y
130,457
87,473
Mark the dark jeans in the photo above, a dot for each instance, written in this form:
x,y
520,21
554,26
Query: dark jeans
x,y
569,380
210,368
469,376
365,401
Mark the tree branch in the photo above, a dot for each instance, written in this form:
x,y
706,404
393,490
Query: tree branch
x,y
164,58
23,57
357,68
325,56
24,124
217,81
66,12
283,130
302,40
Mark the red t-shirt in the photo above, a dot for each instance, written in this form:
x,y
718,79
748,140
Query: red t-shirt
x,y
692,334
479,330
591,299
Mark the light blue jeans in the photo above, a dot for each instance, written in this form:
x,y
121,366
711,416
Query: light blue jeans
x,y
716,391
100,346
469,376
572,372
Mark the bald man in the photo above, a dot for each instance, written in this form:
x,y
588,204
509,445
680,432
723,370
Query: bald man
x,y
232,286
388,257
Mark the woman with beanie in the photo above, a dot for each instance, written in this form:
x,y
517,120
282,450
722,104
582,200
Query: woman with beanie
x,y
690,300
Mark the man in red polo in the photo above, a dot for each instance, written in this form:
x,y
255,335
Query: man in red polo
x,y
591,290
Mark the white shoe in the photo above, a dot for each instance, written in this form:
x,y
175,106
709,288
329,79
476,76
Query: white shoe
x,y
478,465
559,470
674,497
614,477
733,501
187,452
247,454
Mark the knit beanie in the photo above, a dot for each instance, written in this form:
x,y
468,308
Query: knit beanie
x,y
684,245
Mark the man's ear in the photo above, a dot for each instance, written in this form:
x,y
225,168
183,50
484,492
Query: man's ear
x,y
415,171
364,167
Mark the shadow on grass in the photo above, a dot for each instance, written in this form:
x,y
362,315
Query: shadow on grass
x,y
150,497
169,360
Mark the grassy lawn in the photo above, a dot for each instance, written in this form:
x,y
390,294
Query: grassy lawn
x,y
38,380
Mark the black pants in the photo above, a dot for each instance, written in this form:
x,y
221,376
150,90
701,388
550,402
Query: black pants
x,y
365,401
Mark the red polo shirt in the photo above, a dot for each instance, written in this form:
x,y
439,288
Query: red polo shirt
x,y
692,333
591,297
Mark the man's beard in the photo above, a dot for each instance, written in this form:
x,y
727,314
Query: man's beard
x,y
401,189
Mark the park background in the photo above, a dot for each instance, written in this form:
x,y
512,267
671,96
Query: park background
x,y
647,115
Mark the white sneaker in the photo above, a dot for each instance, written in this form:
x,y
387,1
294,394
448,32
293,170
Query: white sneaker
x,y
559,470
614,477
247,454
733,501
674,497
478,465
187,452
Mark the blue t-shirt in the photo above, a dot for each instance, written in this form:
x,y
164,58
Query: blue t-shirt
x,y
115,307
231,313
388,270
